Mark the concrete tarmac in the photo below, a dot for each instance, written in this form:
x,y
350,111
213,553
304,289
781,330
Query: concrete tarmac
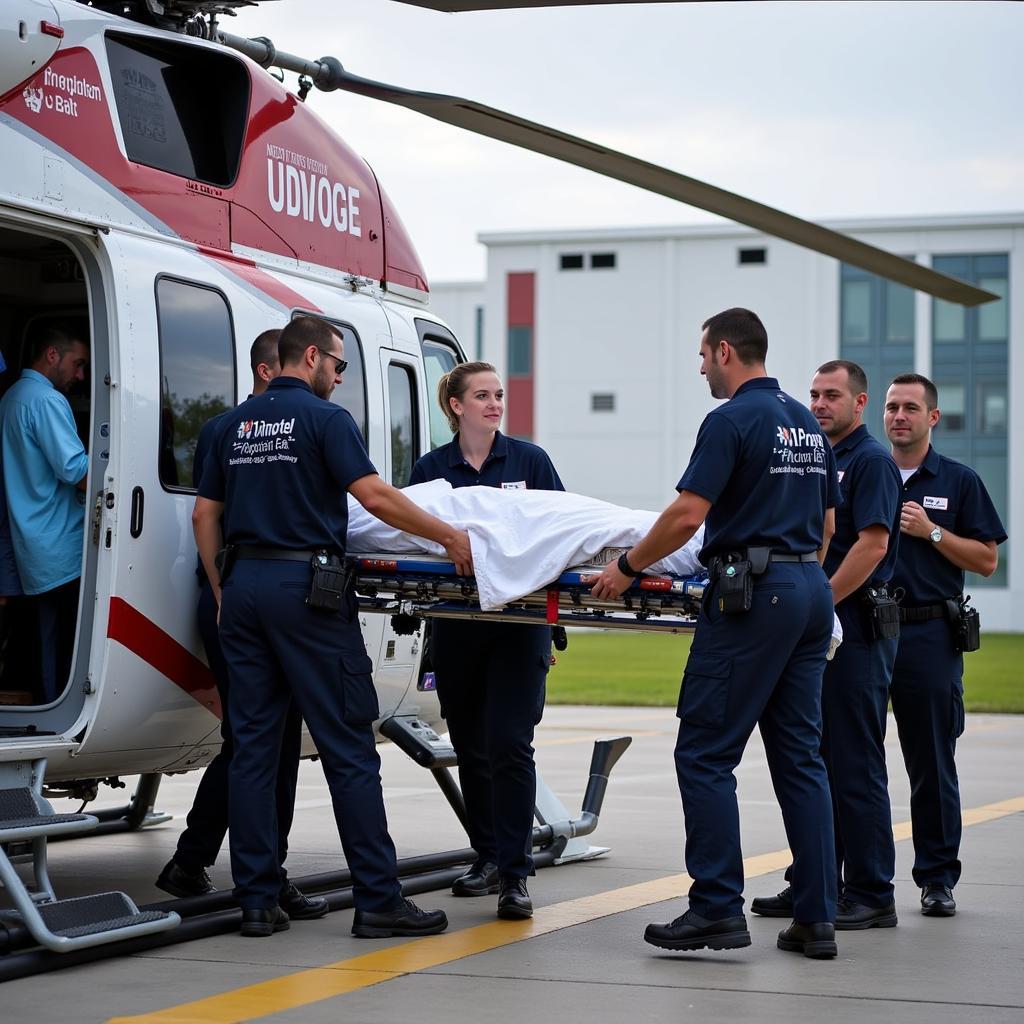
x,y
583,956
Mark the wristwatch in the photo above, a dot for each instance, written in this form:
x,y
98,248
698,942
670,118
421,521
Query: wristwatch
x,y
936,534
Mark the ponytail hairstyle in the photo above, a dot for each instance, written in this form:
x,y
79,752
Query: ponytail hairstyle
x,y
454,385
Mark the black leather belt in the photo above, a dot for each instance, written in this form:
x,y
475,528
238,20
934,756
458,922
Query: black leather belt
x,y
789,556
281,554
923,613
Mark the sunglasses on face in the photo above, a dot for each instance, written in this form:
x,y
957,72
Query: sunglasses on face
x,y
340,365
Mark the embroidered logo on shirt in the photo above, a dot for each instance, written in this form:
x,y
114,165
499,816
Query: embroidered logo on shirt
x,y
939,503
514,485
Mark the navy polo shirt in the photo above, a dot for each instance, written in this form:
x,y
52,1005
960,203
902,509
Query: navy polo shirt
x,y
282,463
954,498
767,469
511,465
871,493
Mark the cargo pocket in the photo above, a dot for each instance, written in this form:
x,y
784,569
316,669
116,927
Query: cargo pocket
x,y
358,694
957,720
704,696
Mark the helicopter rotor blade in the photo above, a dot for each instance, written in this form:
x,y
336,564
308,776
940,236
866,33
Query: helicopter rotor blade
x,y
462,6
328,74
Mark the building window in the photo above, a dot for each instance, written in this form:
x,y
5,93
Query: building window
x,y
876,331
970,367
602,402
478,333
197,371
602,261
748,256
520,351
571,261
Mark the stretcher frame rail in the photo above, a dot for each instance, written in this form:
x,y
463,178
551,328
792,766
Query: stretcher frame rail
x,y
430,588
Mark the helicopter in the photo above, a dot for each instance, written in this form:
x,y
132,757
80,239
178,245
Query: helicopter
x,y
171,223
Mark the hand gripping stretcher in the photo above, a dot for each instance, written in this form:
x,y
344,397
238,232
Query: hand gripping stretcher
x,y
428,587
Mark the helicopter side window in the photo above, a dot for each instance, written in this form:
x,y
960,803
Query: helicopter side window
x,y
182,109
350,394
197,371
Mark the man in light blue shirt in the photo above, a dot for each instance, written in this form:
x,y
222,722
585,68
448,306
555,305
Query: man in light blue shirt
x,y
45,467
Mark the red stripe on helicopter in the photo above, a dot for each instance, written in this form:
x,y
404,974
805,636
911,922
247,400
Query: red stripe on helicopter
x,y
266,283
144,638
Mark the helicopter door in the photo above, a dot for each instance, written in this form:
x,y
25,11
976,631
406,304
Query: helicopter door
x,y
400,376
178,369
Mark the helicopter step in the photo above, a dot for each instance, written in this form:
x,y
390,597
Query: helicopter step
x,y
26,817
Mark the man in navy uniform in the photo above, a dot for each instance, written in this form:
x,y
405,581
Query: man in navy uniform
x,y
855,690
278,474
207,822
762,478
948,525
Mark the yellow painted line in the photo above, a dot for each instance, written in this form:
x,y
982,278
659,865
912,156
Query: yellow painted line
x,y
302,988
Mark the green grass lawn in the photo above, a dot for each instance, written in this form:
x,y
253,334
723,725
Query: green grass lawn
x,y
645,669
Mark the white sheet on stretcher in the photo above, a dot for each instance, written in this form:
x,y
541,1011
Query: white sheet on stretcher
x,y
521,540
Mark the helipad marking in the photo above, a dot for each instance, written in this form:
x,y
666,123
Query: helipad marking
x,y
317,984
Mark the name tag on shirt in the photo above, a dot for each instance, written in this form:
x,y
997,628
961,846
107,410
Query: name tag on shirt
x,y
939,503
514,485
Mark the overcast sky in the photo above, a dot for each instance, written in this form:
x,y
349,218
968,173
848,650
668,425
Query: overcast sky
x,y
824,110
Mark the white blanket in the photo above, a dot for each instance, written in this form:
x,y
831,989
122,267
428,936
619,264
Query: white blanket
x,y
521,540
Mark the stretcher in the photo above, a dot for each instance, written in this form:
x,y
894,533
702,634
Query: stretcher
x,y
421,586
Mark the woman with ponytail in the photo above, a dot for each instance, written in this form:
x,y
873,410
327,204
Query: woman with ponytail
x,y
491,676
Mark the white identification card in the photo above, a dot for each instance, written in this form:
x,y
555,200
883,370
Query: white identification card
x,y
939,503
514,485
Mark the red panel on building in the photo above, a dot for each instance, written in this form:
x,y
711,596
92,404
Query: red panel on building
x,y
519,378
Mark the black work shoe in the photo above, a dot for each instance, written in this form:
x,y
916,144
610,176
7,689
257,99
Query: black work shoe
x,y
258,924
514,903
181,883
937,901
480,880
302,908
818,941
854,917
691,931
774,906
405,919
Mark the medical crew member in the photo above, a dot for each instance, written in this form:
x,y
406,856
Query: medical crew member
x,y
278,474
491,676
855,690
207,822
948,525
762,478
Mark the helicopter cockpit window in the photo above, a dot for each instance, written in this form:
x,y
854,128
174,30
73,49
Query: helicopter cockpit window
x,y
182,108
197,371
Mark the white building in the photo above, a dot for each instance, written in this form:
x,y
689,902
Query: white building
x,y
596,334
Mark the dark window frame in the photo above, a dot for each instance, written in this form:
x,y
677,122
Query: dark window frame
x,y
754,256
564,256
188,282
594,257
364,427
416,442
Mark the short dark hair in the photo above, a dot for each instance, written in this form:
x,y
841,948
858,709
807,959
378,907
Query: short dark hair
x,y
931,392
264,349
52,336
743,329
854,371
300,333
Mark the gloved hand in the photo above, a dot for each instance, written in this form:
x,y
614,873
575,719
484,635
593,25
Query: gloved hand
x,y
837,637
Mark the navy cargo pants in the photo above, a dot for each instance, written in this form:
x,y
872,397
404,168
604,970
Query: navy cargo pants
x,y
279,650
855,699
207,822
762,667
928,704
491,681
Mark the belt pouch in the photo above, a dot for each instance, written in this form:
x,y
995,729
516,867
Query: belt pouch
x,y
965,623
225,559
735,584
331,580
883,614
